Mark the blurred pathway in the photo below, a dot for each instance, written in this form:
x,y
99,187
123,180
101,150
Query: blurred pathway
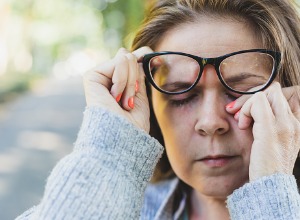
x,y
36,130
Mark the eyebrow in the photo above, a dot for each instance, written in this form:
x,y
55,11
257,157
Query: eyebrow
x,y
242,76
178,85
172,87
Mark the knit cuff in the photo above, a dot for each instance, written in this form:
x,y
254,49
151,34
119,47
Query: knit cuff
x,y
120,145
270,197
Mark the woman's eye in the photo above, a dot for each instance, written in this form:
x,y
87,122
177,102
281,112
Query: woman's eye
x,y
182,101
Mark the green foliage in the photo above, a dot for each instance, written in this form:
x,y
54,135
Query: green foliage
x,y
49,32
122,18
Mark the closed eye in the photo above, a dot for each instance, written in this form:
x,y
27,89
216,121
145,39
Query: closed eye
x,y
182,101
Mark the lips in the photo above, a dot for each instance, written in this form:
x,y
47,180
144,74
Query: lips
x,y
216,157
217,160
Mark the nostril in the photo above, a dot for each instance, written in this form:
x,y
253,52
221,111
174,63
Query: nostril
x,y
221,130
211,128
202,132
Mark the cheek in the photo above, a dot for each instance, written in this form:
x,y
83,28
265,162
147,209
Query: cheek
x,y
176,124
244,140
177,129
177,132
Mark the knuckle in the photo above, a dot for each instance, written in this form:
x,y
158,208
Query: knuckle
x,y
273,88
131,57
121,59
276,85
147,49
259,96
131,85
122,50
283,132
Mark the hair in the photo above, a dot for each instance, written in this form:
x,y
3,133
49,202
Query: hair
x,y
276,23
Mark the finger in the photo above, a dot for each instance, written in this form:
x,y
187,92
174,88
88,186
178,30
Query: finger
x,y
136,79
258,108
236,105
278,102
130,90
120,74
141,81
139,53
141,101
292,94
101,74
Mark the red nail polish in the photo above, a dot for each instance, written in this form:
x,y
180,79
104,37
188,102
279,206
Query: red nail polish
x,y
230,105
136,86
131,102
119,97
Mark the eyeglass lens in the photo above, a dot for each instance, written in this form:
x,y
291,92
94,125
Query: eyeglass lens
x,y
241,72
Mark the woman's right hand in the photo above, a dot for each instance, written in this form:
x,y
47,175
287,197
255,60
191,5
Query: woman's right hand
x,y
118,85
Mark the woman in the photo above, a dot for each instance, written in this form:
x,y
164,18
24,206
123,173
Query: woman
x,y
226,102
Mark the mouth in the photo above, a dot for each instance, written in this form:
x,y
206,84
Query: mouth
x,y
217,160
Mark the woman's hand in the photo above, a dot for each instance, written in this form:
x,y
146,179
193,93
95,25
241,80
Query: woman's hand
x,y
119,86
275,116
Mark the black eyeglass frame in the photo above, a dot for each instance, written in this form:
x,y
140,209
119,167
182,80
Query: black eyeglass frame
x,y
216,61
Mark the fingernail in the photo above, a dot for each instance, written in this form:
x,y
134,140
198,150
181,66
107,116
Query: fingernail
x,y
236,115
119,97
230,105
136,86
131,103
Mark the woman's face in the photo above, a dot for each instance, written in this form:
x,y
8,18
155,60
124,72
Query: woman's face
x,y
205,147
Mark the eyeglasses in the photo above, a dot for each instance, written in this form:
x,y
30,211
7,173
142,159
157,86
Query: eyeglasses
x,y
243,72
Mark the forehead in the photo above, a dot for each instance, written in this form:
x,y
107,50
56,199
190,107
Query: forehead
x,y
210,37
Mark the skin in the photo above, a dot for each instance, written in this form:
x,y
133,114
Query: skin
x,y
260,133
202,127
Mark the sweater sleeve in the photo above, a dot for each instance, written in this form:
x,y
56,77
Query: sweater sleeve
x,y
106,174
273,197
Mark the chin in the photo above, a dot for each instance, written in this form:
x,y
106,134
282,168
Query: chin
x,y
219,187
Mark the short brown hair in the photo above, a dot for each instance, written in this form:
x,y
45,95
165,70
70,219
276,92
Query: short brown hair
x,y
276,23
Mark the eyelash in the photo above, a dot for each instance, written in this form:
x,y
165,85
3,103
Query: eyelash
x,y
185,101
182,102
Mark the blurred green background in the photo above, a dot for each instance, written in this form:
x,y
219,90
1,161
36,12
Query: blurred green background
x,y
45,47
60,37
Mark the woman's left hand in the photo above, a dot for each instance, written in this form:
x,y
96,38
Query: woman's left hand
x,y
275,116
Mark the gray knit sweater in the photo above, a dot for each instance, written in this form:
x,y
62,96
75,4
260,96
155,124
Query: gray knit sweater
x,y
106,177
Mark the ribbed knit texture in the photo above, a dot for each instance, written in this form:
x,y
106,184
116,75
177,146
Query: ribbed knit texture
x,y
105,177
273,197
111,155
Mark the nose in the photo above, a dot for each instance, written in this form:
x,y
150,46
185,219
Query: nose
x,y
212,118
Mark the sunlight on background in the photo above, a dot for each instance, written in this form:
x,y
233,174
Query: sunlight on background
x,y
62,37
41,37
45,47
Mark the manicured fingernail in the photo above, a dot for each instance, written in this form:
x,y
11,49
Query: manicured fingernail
x,y
230,105
236,115
131,102
119,97
136,86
